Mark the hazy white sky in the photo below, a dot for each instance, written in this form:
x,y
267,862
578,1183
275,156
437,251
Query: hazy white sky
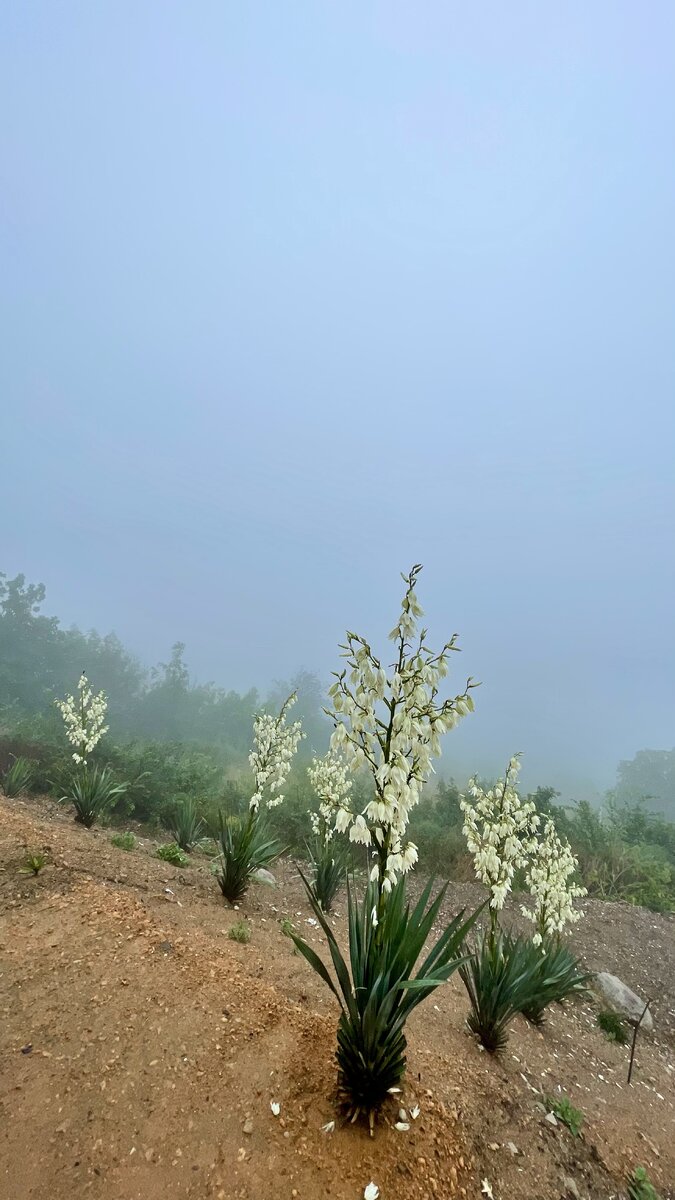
x,y
295,295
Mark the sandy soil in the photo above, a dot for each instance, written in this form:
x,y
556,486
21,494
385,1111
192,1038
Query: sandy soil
x,y
140,1049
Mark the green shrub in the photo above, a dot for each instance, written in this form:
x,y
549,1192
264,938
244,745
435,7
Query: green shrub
x,y
501,977
558,975
239,932
172,853
244,846
184,823
123,841
92,791
17,778
613,1027
33,864
381,986
640,1186
564,1110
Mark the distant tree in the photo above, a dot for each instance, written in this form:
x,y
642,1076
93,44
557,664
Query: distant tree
x,y
308,709
650,776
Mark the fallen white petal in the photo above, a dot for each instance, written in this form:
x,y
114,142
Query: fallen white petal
x,y
487,1190
402,1126
371,1192
276,1107
328,1127
415,1112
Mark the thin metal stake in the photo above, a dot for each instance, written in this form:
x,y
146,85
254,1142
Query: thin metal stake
x,y
635,1033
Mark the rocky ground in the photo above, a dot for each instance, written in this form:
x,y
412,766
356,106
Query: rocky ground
x,y
140,1049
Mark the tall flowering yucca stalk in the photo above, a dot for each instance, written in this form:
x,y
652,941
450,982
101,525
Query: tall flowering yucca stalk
x,y
329,777
549,881
501,832
244,844
390,720
84,719
274,745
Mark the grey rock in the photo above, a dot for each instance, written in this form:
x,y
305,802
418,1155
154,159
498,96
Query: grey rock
x,y
263,876
622,1000
571,1187
551,1118
248,1126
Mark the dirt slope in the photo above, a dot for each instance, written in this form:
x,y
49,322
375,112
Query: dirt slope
x,y
140,1049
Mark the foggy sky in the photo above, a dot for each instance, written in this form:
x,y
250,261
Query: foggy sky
x,y
295,295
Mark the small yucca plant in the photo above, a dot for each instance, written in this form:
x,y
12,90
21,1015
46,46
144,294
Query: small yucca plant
x,y
184,823
244,847
91,790
17,777
558,976
381,985
328,859
500,977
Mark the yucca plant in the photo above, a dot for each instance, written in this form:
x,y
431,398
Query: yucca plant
x,y
91,790
500,977
184,823
17,777
381,984
558,976
328,859
244,847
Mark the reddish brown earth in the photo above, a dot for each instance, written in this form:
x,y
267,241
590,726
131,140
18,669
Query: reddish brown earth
x,y
140,1049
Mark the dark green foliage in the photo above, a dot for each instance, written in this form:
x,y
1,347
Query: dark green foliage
x,y
158,771
558,976
123,841
245,846
640,1186
328,861
381,984
613,1027
184,823
240,932
92,791
501,977
436,830
17,778
33,864
564,1110
173,854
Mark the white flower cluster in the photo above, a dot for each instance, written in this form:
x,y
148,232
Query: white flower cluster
x,y
275,743
329,776
391,722
84,718
500,830
548,880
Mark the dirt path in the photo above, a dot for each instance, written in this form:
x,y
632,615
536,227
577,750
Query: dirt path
x,y
140,1050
